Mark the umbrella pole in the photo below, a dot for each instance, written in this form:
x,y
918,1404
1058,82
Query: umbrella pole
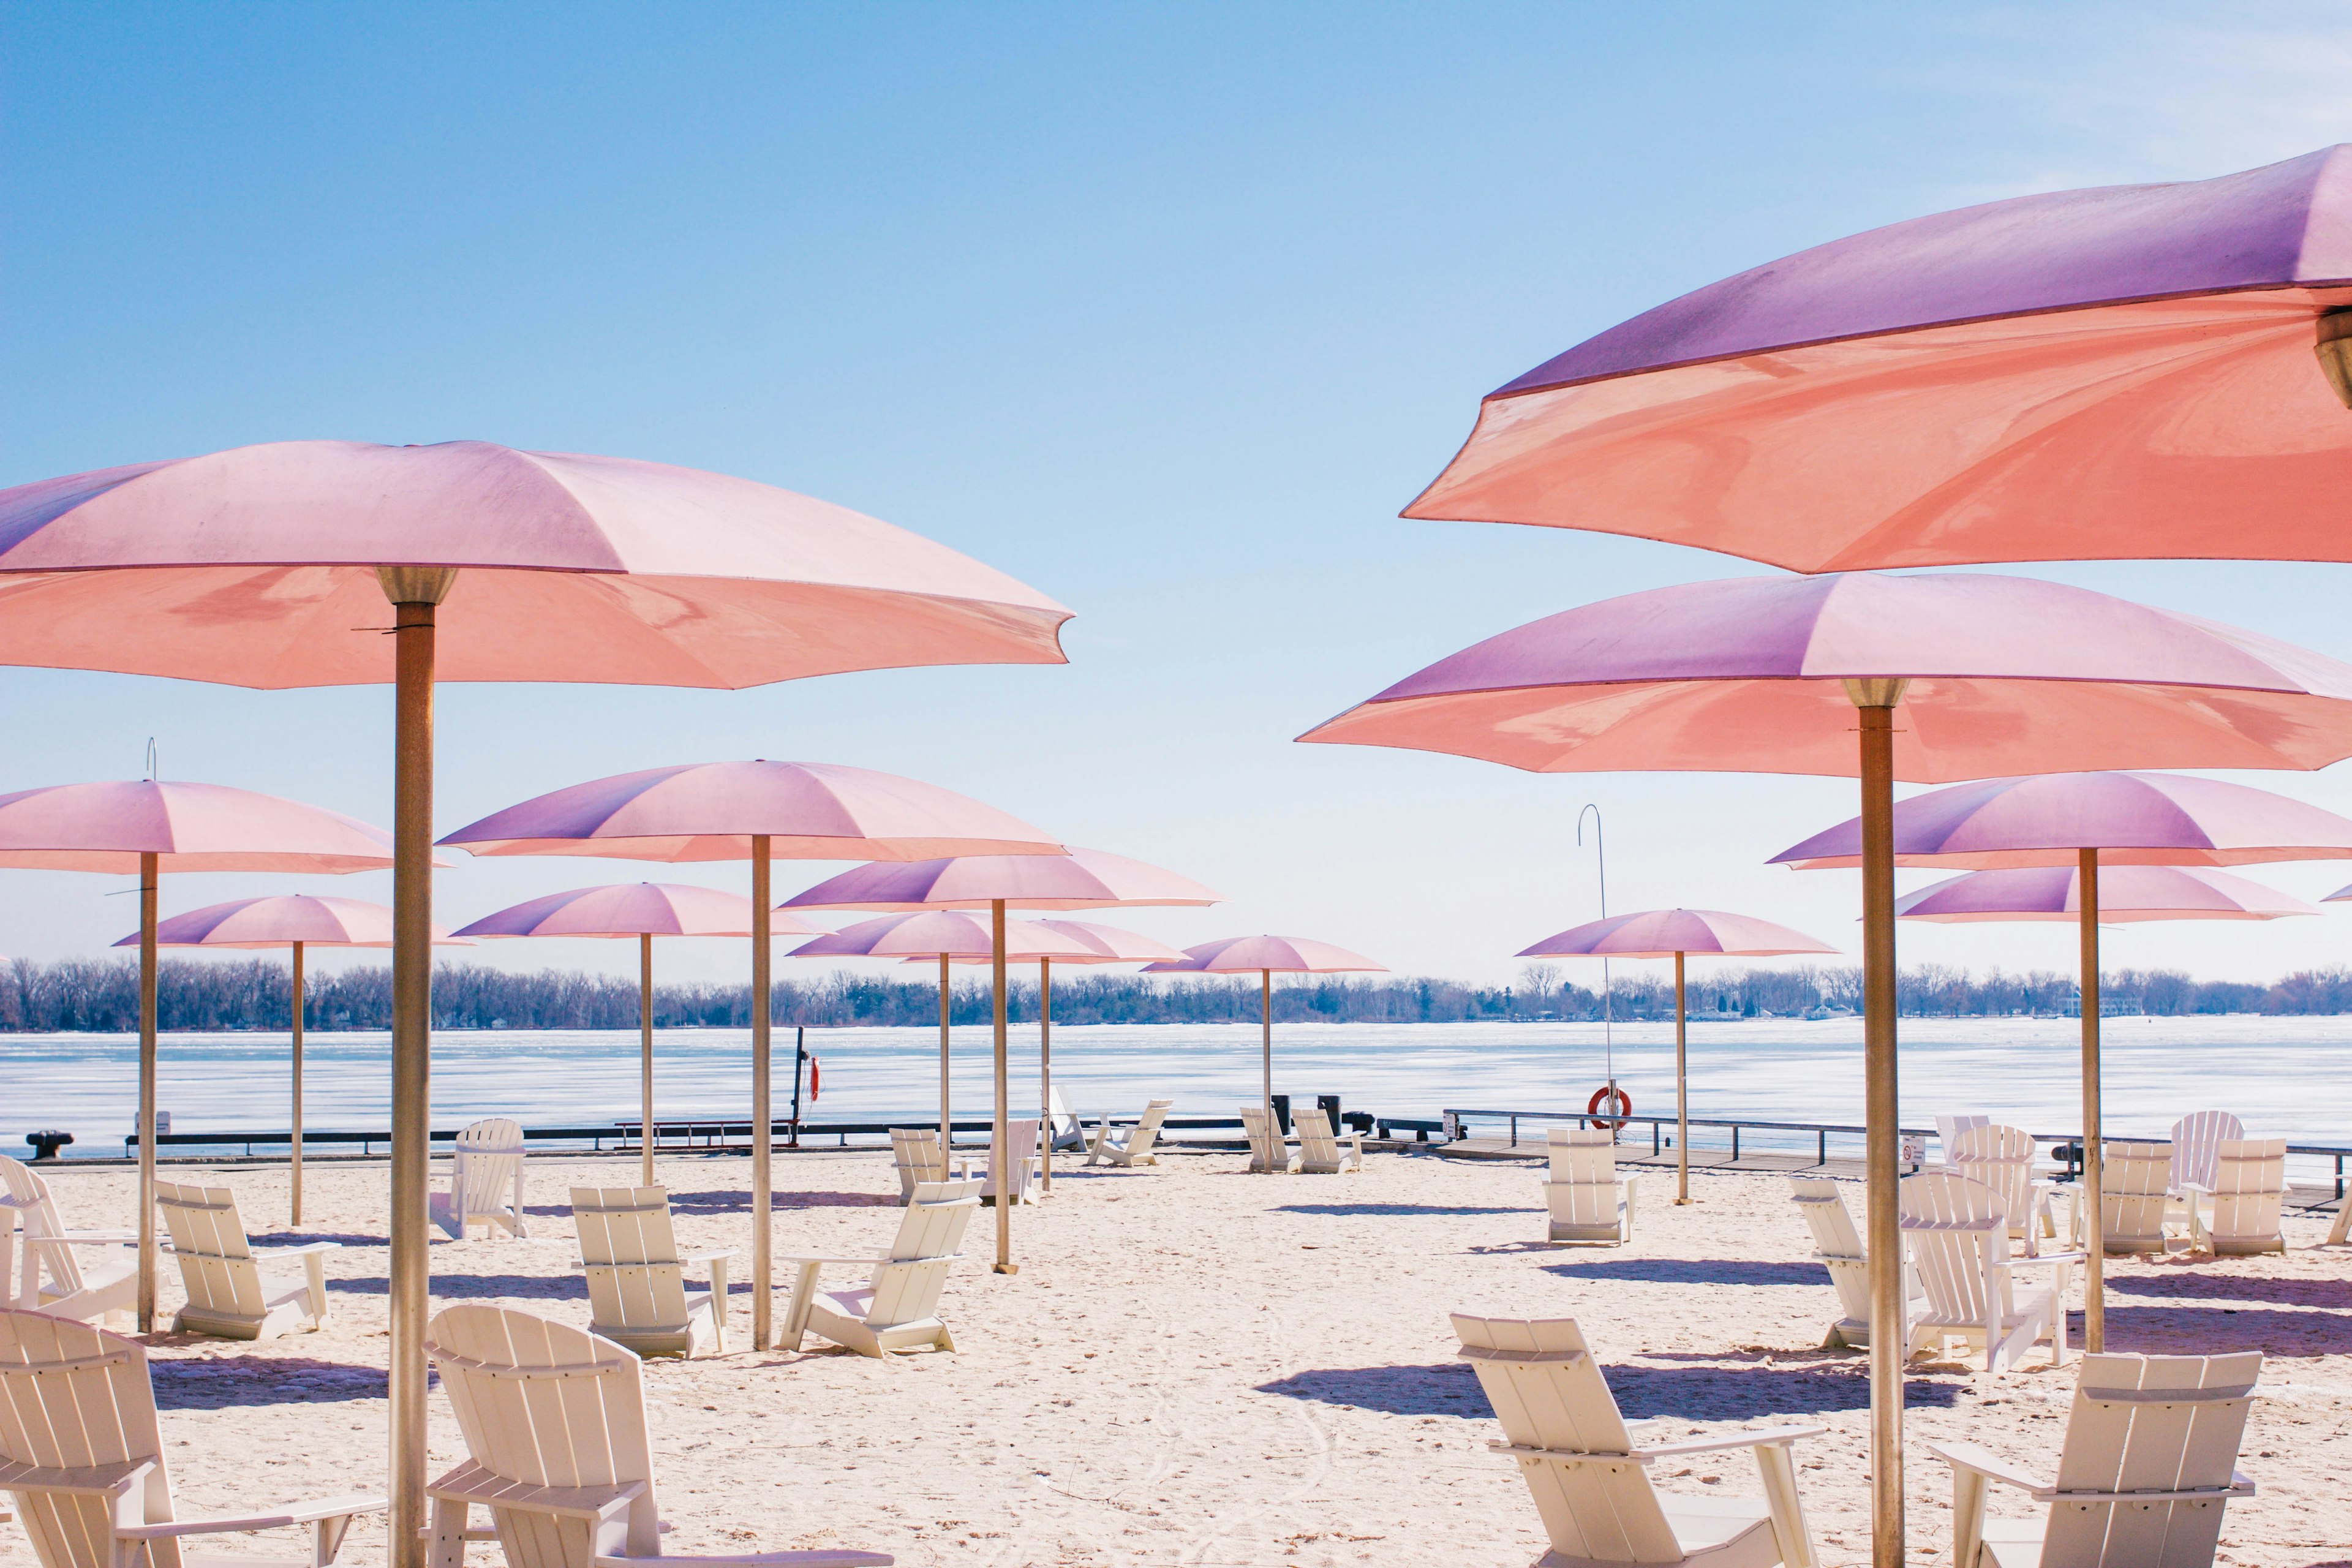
x,y
294,1215
414,592
1876,701
1002,1155
1045,1070
1274,1143
2095,1248
762,1127
645,1057
947,1126
147,1249
1682,1095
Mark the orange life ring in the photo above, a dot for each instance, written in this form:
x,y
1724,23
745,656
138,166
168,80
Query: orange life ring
x,y
1600,1096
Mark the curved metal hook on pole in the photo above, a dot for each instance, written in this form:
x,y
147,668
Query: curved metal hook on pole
x,y
1608,1021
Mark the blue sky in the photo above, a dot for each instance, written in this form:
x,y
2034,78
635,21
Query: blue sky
x,y
1166,311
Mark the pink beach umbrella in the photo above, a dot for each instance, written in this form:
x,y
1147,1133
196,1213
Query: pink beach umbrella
x,y
147,827
294,920
1676,935
923,935
1082,879
2125,894
2122,372
2091,825
1266,956
726,811
271,565
1994,675
644,911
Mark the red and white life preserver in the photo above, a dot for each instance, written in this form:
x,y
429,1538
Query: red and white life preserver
x,y
1622,1109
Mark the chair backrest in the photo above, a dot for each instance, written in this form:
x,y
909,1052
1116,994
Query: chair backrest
x,y
1317,1146
1584,1155
1147,1132
2120,1439
630,1251
1550,1398
917,1148
545,1404
1064,1123
2194,1141
907,1282
1021,1139
2002,1159
1956,1230
28,1200
216,1264
2135,1170
2249,1185
77,1398
489,1153
1950,1128
1825,1210
1266,1149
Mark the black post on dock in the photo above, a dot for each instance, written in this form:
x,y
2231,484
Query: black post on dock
x,y
800,1065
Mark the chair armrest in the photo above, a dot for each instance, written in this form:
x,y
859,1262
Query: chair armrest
x,y
817,1559
713,1255
1986,1463
81,1480
305,1249
2038,1258
1766,1438
300,1514
93,1238
868,1261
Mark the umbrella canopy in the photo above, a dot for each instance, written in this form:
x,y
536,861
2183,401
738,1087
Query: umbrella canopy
x,y
1082,879
1094,944
2006,675
2119,373
258,567
282,921
632,909
2131,819
108,826
711,811
2125,893
941,934
1266,955
1664,934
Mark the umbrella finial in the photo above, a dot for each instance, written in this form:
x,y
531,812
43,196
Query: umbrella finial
x,y
2335,351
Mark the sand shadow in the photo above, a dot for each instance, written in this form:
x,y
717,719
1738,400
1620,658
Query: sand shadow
x,y
1692,1271
455,1286
2210,1331
1401,1209
262,1240
1447,1388
740,1203
2180,1282
1755,1392
226,1382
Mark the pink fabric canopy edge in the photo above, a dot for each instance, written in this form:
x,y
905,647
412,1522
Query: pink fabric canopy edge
x,y
1252,954
1082,879
2007,675
1100,944
1662,934
711,811
932,933
2131,818
2127,893
632,909
257,567
107,825
281,921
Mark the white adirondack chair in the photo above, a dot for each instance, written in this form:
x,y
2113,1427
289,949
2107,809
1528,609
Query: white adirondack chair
x,y
637,1275
2149,1464
228,1295
1321,1153
107,1287
485,1181
1588,1201
2002,1159
1950,1128
2196,1140
915,1150
1591,1485
1021,1136
1840,1249
554,1421
1069,1131
2134,1204
1107,1147
896,1306
1270,1151
2248,1190
82,1457
1958,1237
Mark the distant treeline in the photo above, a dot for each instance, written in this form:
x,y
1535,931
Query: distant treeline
x,y
103,995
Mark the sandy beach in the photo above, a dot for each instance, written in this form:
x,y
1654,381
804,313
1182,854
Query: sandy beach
x,y
1199,1366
